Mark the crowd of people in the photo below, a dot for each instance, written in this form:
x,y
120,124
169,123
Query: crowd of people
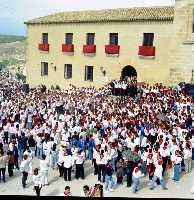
x,y
123,87
127,138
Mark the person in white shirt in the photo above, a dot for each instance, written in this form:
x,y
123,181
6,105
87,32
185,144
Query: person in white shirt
x,y
187,153
12,132
30,157
46,147
68,163
165,153
79,163
158,175
25,168
177,159
36,179
101,161
137,174
39,146
60,162
44,166
53,156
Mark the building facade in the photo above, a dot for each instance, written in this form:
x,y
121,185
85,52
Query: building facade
x,y
91,48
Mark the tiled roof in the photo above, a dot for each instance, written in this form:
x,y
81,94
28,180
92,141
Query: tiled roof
x,y
121,14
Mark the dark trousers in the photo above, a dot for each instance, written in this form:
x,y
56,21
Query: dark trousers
x,y
16,162
61,170
192,153
2,171
10,169
129,179
119,179
24,179
79,171
95,167
153,139
101,172
165,162
67,174
37,190
5,139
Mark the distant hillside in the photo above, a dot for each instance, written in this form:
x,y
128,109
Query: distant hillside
x,y
10,38
12,54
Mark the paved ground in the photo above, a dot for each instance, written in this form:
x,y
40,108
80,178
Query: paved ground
x,y
56,186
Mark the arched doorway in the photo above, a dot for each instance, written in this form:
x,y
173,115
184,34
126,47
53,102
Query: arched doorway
x,y
128,72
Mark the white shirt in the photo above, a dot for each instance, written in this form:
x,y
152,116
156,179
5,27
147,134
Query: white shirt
x,y
83,194
36,180
68,161
187,153
177,160
192,140
79,159
44,165
137,174
45,146
164,152
38,142
60,158
101,161
144,142
25,166
11,129
158,171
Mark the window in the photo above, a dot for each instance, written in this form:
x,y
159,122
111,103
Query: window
x,y
68,71
148,39
113,39
69,38
44,69
88,73
45,38
90,38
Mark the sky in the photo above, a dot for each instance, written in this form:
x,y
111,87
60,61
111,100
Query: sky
x,y
13,13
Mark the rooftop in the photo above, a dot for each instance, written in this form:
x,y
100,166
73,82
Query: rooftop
x,y
162,13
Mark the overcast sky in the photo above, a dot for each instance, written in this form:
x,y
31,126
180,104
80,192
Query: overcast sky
x,y
14,12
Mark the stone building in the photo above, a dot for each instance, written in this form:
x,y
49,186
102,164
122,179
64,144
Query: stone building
x,y
90,48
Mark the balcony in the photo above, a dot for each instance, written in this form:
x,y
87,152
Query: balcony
x,y
112,49
89,48
146,51
67,48
43,47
